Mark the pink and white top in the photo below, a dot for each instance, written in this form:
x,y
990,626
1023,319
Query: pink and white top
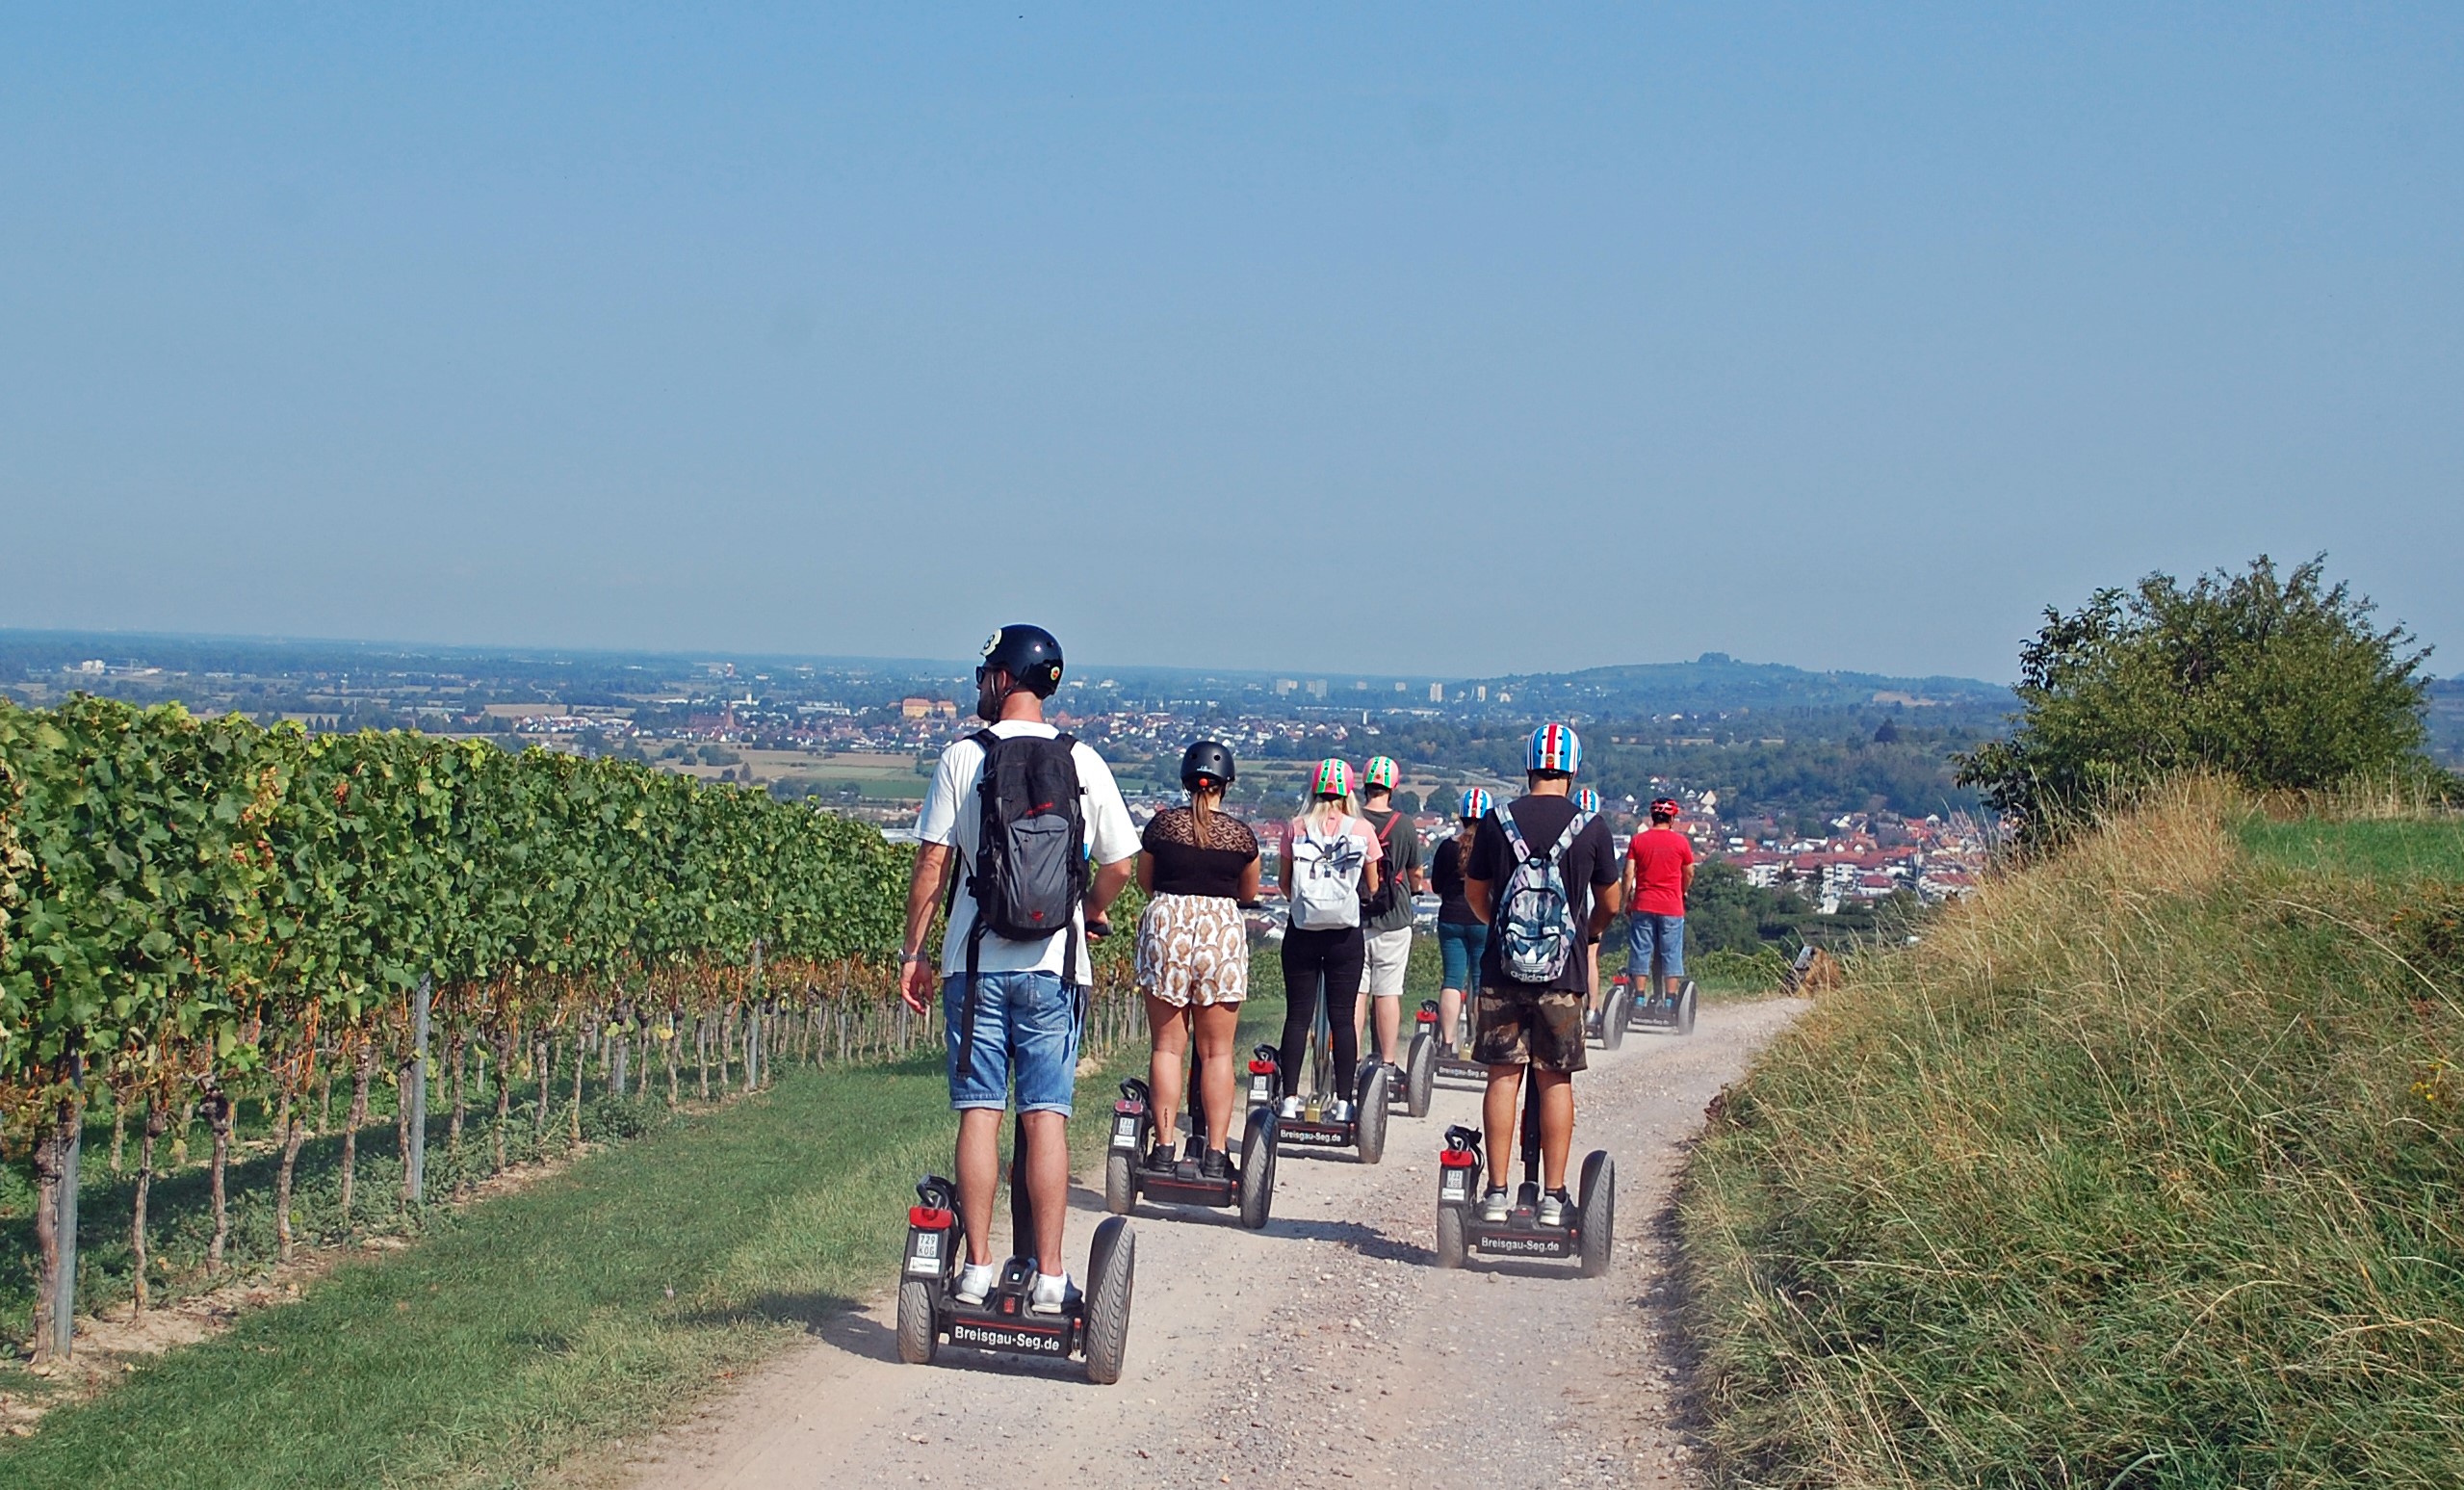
x,y
1339,823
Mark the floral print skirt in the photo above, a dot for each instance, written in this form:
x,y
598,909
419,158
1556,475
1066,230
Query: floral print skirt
x,y
1193,949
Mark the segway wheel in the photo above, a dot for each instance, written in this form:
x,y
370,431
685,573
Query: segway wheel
x,y
1615,1010
1258,1168
1112,1268
1451,1247
1372,1116
1598,1200
1120,1183
1685,1007
919,1338
1421,1074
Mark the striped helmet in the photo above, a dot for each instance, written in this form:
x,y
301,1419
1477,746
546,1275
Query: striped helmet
x,y
1555,747
1381,771
1587,800
1333,779
1476,803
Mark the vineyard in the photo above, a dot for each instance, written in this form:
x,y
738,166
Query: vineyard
x,y
198,914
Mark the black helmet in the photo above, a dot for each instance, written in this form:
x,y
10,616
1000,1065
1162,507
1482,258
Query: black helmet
x,y
1028,654
1206,761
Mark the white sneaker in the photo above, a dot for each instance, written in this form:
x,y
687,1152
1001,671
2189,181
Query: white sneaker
x,y
1338,1110
975,1280
1051,1296
1291,1107
1552,1208
1495,1206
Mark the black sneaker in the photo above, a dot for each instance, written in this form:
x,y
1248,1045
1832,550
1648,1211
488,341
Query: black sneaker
x,y
1161,1157
1215,1165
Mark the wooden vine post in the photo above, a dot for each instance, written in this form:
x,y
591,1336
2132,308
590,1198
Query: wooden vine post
x,y
415,1094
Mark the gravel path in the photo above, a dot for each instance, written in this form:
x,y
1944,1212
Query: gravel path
x,y
1326,1350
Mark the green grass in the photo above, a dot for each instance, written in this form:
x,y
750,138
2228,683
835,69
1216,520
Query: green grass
x,y
535,1324
2146,1169
2385,848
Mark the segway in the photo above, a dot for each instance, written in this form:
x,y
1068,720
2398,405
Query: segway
x,y
1451,1065
1653,1007
1419,1063
1617,1011
1587,1234
1097,1326
1312,1128
1250,1185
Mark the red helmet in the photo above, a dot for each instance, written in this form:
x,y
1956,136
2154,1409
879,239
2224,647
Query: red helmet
x,y
1665,807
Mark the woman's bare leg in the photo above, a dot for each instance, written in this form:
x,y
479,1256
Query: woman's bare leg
x,y
1170,1022
1218,1029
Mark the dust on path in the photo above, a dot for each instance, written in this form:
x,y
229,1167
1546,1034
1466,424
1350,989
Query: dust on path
x,y
1326,1350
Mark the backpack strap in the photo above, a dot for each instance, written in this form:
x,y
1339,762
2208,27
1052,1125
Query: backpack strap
x,y
1514,832
987,791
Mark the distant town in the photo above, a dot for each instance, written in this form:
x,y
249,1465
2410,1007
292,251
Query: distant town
x,y
859,738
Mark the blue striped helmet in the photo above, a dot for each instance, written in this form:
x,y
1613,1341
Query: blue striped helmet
x,y
1476,803
1554,747
1587,800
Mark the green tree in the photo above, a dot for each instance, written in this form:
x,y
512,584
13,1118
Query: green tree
x,y
2280,680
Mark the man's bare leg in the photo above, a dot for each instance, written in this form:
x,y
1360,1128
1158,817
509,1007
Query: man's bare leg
x,y
1047,1181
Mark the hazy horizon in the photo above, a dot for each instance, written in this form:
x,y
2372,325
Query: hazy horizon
x,y
1387,340
1079,668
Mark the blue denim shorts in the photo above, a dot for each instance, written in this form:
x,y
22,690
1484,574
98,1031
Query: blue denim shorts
x,y
1644,932
1026,1028
1459,949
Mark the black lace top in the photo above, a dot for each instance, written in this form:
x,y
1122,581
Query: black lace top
x,y
1190,862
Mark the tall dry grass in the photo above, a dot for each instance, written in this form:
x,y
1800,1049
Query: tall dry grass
x,y
2145,1168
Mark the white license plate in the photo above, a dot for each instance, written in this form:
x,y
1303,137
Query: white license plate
x,y
1034,1342
1453,1188
1260,1090
924,1253
1124,1133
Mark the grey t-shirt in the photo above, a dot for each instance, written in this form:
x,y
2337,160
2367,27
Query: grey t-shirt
x,y
1402,859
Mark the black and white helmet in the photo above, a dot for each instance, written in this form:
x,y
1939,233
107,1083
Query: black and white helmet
x,y
1028,654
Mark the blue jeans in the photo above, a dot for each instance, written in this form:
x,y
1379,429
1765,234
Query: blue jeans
x,y
1026,1027
1646,932
1459,948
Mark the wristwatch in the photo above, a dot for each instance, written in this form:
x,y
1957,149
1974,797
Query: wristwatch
x,y
906,958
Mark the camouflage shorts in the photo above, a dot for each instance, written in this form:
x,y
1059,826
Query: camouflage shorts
x,y
1517,1024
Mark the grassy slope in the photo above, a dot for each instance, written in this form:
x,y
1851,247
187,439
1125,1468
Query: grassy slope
x,y
538,1322
2154,1176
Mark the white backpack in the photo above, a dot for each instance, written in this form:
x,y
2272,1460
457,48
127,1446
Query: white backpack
x,y
1325,882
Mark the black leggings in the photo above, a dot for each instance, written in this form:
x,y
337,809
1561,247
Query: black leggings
x,y
1335,958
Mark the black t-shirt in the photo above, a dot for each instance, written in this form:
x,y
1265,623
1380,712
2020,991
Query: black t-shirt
x,y
1446,876
1590,862
1190,860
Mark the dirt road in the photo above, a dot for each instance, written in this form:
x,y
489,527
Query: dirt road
x,y
1326,1349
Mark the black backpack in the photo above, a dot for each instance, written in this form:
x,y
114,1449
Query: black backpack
x,y
1029,874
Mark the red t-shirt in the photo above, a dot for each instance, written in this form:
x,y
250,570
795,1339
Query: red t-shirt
x,y
1660,855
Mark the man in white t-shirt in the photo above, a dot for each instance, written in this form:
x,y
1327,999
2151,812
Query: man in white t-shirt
x,y
1025,1003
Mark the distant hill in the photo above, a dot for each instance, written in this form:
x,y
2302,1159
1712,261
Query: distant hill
x,y
1717,682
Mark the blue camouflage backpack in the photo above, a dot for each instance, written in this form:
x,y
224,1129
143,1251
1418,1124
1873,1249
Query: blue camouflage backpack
x,y
1535,928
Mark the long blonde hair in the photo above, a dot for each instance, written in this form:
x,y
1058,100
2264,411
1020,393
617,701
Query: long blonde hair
x,y
1316,805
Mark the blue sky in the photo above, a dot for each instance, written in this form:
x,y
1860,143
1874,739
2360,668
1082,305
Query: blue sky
x,y
1419,339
